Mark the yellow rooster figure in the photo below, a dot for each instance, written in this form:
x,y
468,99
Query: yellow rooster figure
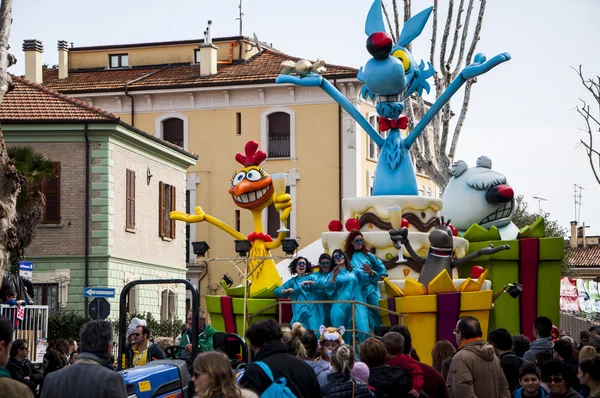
x,y
252,189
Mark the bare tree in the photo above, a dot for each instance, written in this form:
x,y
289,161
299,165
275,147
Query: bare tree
x,y
10,185
457,48
592,123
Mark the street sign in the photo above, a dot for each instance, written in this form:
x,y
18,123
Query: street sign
x,y
107,292
26,269
99,308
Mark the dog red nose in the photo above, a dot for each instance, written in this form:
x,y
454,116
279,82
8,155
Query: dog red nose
x,y
500,194
379,45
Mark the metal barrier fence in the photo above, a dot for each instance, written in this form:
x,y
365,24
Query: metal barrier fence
x,y
33,327
352,330
574,323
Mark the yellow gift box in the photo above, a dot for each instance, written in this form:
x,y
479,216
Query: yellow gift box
x,y
421,316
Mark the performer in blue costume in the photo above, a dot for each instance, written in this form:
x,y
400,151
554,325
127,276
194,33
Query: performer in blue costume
x,y
346,283
391,76
303,287
358,252
323,276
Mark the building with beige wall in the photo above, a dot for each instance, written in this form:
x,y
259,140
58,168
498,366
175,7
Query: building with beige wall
x,y
115,231
211,97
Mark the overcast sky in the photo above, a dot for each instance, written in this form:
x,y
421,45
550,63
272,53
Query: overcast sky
x,y
522,114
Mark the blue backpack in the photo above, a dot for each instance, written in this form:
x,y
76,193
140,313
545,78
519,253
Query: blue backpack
x,y
277,389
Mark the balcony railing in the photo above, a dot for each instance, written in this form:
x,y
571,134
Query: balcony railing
x,y
33,327
279,146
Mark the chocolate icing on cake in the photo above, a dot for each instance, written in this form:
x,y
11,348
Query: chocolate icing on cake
x,y
413,219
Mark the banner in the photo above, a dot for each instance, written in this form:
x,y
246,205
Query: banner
x,y
569,297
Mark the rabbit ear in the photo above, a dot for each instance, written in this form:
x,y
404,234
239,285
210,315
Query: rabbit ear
x,y
458,168
322,329
341,329
374,21
413,27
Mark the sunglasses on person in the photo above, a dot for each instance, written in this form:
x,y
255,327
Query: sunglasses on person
x,y
196,374
338,256
358,241
325,263
299,263
554,379
25,348
136,334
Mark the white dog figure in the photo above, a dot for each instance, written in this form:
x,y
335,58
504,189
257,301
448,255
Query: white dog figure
x,y
480,195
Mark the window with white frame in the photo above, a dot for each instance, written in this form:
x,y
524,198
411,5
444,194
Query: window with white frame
x,y
118,60
132,300
197,56
167,305
47,294
278,133
173,131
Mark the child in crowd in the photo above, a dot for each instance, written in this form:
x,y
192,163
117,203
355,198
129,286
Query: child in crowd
x,y
360,372
394,345
330,338
529,379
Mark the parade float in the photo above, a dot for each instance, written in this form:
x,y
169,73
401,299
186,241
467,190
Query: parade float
x,y
435,275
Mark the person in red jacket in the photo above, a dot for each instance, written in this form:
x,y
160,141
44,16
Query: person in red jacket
x,y
394,345
435,384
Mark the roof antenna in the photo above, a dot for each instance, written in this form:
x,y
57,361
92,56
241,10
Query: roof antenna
x,y
241,18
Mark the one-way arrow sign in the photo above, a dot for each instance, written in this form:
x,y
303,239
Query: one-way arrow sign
x,y
108,292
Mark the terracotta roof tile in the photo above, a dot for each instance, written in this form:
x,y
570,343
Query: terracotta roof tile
x,y
264,67
588,256
29,101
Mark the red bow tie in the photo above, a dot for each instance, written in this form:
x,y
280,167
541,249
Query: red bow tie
x,y
386,124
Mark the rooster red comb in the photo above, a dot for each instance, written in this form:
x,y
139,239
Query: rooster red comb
x,y
252,158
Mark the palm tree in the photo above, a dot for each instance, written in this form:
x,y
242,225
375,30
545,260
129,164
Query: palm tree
x,y
34,168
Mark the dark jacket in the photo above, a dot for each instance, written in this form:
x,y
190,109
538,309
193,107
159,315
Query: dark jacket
x,y
341,385
153,352
389,382
543,344
21,369
570,394
510,366
300,377
91,376
435,385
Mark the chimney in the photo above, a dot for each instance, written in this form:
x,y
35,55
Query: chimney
x,y
33,50
63,59
583,233
573,233
208,54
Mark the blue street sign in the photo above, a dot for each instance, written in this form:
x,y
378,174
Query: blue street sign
x,y
25,266
99,292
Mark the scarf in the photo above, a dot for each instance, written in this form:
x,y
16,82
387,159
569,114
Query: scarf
x,y
467,341
4,372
